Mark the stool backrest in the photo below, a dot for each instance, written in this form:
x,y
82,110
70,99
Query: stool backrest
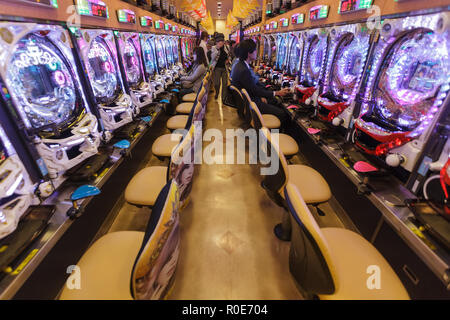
x,y
181,166
257,119
276,182
155,265
240,103
196,107
310,261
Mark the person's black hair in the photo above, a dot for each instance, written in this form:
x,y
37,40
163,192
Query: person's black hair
x,y
204,35
201,58
245,47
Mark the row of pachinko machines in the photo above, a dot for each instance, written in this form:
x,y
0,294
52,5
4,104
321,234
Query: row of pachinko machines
x,y
381,97
71,101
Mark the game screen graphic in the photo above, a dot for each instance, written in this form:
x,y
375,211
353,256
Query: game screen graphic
x,y
295,56
348,65
315,59
102,72
149,58
281,53
162,63
410,78
132,64
43,82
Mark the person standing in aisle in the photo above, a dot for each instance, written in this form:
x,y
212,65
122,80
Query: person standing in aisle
x,y
203,40
219,59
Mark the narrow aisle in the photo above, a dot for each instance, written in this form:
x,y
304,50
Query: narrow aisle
x,y
228,249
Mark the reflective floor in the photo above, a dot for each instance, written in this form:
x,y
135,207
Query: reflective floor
x,y
228,248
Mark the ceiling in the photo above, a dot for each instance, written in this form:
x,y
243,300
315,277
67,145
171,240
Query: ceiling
x,y
213,5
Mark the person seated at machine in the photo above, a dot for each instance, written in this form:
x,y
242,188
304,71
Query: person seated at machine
x,y
193,79
243,77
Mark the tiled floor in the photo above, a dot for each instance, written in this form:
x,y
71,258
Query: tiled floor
x,y
228,248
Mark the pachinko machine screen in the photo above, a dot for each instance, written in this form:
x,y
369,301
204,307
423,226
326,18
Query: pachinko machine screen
x,y
42,80
407,84
132,63
103,71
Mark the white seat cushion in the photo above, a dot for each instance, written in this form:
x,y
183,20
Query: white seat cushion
x,y
190,97
351,255
145,186
310,183
106,268
177,122
165,144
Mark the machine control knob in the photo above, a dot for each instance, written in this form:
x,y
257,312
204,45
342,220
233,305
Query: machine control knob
x,y
337,121
394,159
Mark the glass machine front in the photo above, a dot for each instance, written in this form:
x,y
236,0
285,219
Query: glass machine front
x,y
149,57
314,58
38,69
406,87
103,72
167,43
160,54
132,63
98,51
281,51
273,51
176,55
294,56
349,47
267,50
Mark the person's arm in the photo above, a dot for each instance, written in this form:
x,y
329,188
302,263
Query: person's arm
x,y
248,83
197,73
205,49
214,56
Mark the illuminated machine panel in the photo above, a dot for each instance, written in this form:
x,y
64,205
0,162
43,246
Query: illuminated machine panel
x,y
347,6
284,22
159,24
318,12
38,68
45,3
160,54
406,86
266,52
146,21
347,56
295,54
281,51
273,50
149,57
126,16
131,59
298,18
93,8
167,43
314,56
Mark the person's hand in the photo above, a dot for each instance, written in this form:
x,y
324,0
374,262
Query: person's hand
x,y
264,100
282,92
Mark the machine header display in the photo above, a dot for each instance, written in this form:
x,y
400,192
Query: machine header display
x,y
274,25
126,16
298,18
93,8
146,21
46,3
167,26
159,24
318,12
347,6
284,22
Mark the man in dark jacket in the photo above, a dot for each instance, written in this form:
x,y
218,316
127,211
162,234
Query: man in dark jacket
x,y
243,77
